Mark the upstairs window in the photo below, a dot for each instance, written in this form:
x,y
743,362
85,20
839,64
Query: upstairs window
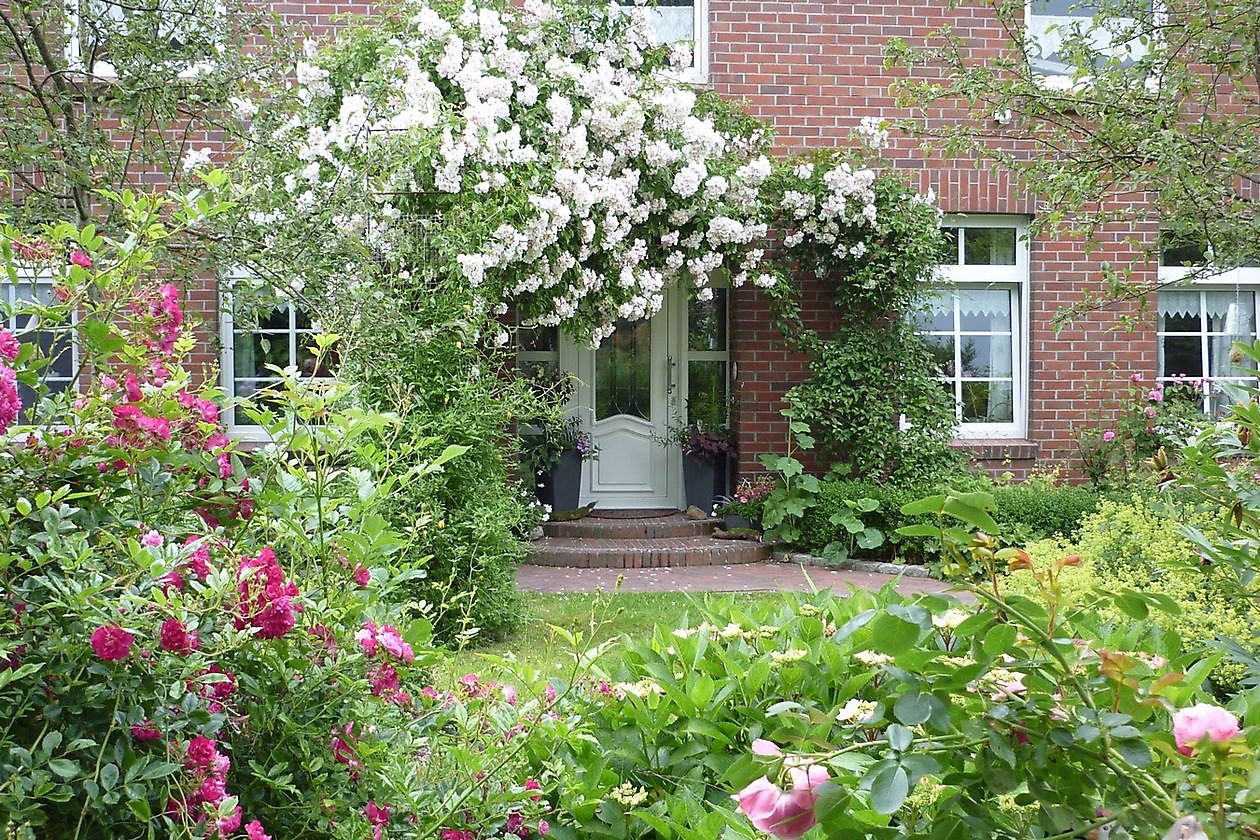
x,y
1102,24
684,22
181,31
975,324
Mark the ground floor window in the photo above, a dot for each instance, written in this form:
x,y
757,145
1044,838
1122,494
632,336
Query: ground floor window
x,y
280,338
57,344
1197,328
975,323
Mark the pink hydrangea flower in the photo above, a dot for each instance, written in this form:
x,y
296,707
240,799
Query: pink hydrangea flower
x,y
254,831
9,346
779,813
111,642
10,402
80,259
1192,725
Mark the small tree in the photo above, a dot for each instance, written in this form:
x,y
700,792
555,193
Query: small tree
x,y
1158,119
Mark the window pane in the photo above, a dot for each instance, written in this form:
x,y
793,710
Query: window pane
x,y
253,352
706,393
706,322
1232,313
1180,253
938,313
984,310
672,21
986,356
623,372
988,246
1067,8
539,339
948,254
1180,356
277,319
942,347
988,402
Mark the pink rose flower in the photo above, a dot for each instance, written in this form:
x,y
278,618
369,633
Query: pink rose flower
x,y
1135,378
254,831
1149,411
362,576
202,752
394,645
230,823
543,828
145,732
1108,436
10,401
152,539
111,643
1192,725
177,638
1155,395
9,347
80,259
777,812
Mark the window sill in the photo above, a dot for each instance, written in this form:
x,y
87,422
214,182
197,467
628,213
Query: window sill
x,y
993,449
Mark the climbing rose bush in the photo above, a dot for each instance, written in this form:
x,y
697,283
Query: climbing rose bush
x,y
567,174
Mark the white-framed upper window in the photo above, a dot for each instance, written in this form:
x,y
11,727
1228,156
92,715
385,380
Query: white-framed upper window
x,y
976,324
681,22
1050,23
1199,316
60,344
183,27
279,338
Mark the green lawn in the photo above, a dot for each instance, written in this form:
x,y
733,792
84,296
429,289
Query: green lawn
x,y
597,617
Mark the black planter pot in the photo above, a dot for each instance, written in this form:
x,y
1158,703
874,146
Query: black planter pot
x,y
698,482
566,482
734,521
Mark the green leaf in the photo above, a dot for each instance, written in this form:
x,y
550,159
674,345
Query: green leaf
x,y
931,504
64,767
919,531
140,807
899,738
889,789
108,776
999,639
1132,605
913,708
893,635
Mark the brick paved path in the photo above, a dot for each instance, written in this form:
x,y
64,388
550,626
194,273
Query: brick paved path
x,y
753,577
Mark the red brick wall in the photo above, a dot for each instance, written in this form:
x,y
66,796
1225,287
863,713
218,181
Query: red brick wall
x,y
814,70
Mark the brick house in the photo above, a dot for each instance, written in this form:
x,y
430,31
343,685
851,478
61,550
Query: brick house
x,y
813,70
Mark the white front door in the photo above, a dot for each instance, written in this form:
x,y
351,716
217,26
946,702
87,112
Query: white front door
x,y
627,392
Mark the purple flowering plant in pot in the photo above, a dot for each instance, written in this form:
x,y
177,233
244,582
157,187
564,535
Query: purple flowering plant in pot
x,y
704,446
556,461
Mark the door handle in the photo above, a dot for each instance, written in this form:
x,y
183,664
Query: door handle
x,y
669,375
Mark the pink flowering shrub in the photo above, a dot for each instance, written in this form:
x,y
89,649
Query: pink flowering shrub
x,y
177,633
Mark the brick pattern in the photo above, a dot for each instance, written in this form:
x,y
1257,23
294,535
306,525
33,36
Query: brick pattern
x,y
814,69
616,553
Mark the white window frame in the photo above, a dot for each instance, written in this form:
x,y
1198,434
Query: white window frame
x,y
227,365
1069,81
103,69
28,279
698,72
1245,279
950,278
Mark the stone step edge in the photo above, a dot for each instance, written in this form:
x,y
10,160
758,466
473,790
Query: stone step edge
x,y
876,566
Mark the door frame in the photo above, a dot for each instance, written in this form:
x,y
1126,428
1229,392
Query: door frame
x,y
668,373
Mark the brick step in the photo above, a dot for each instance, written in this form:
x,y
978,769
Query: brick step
x,y
608,528
594,553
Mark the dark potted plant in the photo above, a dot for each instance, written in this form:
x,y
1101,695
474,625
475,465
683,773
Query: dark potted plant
x,y
555,460
742,509
703,446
